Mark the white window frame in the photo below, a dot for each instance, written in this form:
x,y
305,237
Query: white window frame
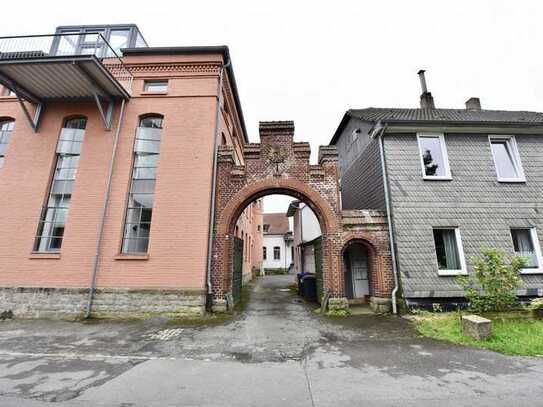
x,y
443,146
147,82
512,144
464,270
537,249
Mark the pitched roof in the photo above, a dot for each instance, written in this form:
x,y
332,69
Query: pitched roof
x,y
440,116
292,208
278,223
447,115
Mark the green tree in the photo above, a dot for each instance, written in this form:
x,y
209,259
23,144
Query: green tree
x,y
493,285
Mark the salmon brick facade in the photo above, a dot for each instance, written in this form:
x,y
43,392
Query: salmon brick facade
x,y
171,275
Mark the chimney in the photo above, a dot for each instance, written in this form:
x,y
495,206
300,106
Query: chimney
x,y
473,104
426,99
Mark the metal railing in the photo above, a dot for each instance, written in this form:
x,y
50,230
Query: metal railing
x,y
67,45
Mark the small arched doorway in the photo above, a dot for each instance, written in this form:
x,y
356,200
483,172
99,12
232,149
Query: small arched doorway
x,y
356,271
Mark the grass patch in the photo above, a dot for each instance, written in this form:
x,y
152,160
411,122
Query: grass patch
x,y
275,271
338,312
511,334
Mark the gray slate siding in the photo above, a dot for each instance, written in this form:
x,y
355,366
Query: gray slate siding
x,y
349,149
473,200
362,183
360,168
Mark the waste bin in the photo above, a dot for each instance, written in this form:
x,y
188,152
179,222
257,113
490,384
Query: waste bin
x,y
299,278
309,288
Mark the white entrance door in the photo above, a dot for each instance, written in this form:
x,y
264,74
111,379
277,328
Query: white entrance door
x,y
359,272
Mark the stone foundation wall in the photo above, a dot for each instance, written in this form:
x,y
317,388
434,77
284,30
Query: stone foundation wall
x,y
71,303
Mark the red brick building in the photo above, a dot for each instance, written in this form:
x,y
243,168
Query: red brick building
x,y
128,184
144,153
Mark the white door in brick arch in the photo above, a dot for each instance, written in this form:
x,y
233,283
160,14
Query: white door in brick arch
x,y
359,272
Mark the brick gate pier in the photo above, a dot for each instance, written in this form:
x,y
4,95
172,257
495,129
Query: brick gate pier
x,y
279,165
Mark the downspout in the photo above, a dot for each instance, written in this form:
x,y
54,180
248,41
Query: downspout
x,y
92,284
209,296
389,220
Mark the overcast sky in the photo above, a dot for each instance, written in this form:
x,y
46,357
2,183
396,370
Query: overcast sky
x,y
310,61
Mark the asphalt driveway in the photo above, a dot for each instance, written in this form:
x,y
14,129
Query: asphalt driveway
x,y
276,352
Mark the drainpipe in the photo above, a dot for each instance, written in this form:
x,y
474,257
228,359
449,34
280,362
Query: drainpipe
x,y
389,220
92,284
209,296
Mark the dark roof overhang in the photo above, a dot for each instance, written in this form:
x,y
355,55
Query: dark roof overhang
x,y
397,126
344,120
54,78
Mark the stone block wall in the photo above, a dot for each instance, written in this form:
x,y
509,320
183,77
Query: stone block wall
x,y
70,303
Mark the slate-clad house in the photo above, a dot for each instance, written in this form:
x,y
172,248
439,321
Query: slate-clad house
x,y
457,180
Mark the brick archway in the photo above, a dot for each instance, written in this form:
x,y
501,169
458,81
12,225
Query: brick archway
x,y
278,165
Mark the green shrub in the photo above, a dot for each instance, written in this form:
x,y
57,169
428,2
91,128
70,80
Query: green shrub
x,y
493,285
536,304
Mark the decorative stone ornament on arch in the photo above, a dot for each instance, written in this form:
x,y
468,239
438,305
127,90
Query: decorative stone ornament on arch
x,y
279,165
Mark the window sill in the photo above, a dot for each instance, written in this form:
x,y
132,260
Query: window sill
x,y
131,257
426,178
144,93
512,180
448,273
531,271
44,255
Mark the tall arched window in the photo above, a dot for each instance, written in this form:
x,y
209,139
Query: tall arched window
x,y
139,210
6,127
55,211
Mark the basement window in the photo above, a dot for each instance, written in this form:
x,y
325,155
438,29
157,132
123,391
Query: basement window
x,y
155,86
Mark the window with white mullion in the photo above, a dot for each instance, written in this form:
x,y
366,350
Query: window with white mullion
x,y
6,127
526,245
449,251
139,210
277,253
506,159
55,212
433,156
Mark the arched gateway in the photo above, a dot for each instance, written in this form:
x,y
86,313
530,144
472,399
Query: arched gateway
x,y
278,165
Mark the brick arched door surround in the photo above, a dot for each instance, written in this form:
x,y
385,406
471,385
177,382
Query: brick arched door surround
x,y
278,165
